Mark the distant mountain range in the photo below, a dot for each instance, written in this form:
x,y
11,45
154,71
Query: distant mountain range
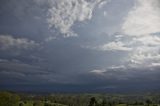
x,y
57,88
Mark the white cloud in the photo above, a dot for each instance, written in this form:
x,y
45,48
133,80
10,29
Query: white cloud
x,y
99,72
114,72
114,46
9,42
103,3
142,51
145,55
141,26
155,64
117,67
64,13
145,50
143,19
148,40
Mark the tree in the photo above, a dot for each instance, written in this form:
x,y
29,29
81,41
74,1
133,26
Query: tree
x,y
47,104
38,103
21,104
34,104
110,103
8,99
104,102
148,102
93,101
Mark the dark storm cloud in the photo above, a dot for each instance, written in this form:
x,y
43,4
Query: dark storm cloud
x,y
23,18
37,45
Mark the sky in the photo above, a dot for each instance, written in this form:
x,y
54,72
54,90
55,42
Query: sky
x,y
79,44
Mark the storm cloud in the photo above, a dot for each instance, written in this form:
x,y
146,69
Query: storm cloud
x,y
102,43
